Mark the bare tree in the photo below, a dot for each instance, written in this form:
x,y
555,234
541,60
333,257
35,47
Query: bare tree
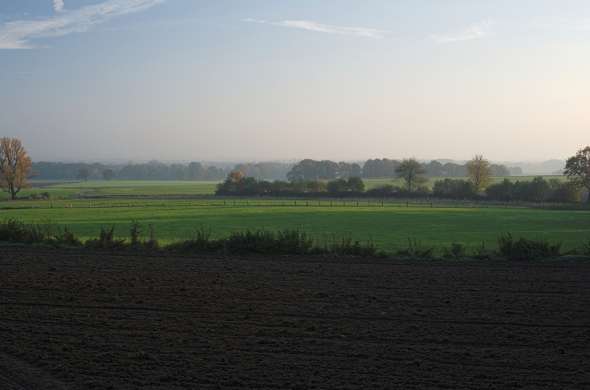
x,y
577,169
479,172
15,166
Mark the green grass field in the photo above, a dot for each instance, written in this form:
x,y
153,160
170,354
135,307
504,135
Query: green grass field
x,y
389,227
97,188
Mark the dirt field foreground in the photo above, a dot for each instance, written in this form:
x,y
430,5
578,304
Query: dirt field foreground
x,y
83,321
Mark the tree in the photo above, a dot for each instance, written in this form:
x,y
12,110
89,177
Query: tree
x,y
83,173
108,174
235,177
454,189
15,166
577,169
411,171
356,184
479,173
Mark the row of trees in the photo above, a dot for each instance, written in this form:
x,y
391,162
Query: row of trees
x,y
386,168
478,185
536,190
16,168
238,184
479,171
304,170
309,169
153,170
381,168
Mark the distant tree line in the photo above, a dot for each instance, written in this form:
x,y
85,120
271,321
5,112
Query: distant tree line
x,y
265,170
240,185
152,170
477,187
382,168
536,190
304,170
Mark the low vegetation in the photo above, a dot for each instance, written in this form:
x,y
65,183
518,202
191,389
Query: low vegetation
x,y
284,242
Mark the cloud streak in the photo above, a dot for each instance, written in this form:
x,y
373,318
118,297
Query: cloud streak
x,y
475,31
19,34
309,25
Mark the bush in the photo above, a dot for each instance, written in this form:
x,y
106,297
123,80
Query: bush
x,y
201,242
346,246
152,242
106,240
134,234
482,253
65,238
263,242
455,251
415,250
12,230
294,241
454,189
525,249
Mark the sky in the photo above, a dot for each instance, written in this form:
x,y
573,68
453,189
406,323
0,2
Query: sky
x,y
211,80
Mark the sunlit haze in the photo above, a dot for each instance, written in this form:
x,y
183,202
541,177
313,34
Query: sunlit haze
x,y
284,80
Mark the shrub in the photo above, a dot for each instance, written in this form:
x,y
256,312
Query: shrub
x,y
260,241
525,249
455,251
454,189
106,240
294,241
481,252
12,230
134,234
65,238
415,250
152,242
201,242
346,246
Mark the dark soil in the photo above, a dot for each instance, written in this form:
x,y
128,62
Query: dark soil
x,y
82,321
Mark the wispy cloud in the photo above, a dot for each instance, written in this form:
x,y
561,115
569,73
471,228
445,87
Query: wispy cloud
x,y
18,34
475,31
309,25
58,5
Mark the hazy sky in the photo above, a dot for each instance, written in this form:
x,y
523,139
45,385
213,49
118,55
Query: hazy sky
x,y
267,79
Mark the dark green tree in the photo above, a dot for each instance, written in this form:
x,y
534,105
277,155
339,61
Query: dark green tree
x,y
411,171
577,169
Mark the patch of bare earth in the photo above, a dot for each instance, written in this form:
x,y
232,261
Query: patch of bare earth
x,y
83,321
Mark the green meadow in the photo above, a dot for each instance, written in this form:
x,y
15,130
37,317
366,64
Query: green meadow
x,y
389,226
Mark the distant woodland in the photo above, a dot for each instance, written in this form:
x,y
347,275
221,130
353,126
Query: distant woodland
x,y
303,170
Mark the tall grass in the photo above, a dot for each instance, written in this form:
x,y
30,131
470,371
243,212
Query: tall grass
x,y
524,249
261,242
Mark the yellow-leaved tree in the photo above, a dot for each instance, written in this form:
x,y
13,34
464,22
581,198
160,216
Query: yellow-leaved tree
x,y
15,166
